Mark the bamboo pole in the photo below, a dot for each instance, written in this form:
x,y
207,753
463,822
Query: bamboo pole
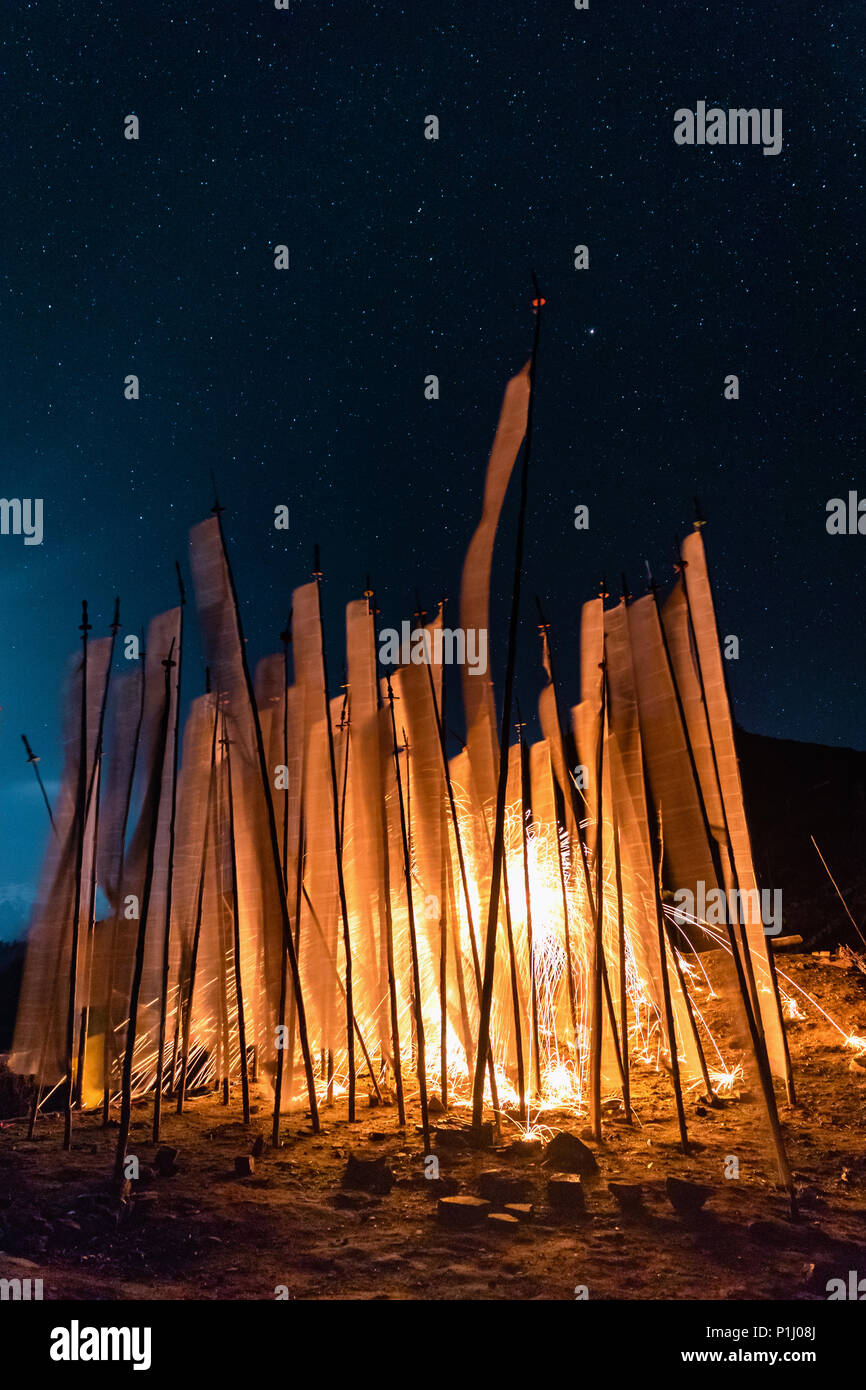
x,y
199,904
569,967
93,800
530,948
80,816
236,925
464,879
594,899
499,821
621,953
838,891
757,1039
596,1021
272,829
457,951
223,1069
285,638
138,968
341,883
169,871
444,870
413,939
110,1052
342,988
388,923
668,1007
33,760
747,954
515,995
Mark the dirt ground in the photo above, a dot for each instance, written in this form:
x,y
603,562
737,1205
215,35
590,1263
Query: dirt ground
x,y
294,1229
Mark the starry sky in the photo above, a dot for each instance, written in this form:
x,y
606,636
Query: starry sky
x,y
410,257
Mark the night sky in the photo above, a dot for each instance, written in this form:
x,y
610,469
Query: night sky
x,y
409,257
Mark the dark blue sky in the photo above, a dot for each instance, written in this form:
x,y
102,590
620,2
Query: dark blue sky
x,y
411,257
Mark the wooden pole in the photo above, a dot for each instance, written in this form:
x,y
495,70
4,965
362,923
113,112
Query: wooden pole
x,y
199,904
457,950
386,892
569,967
223,1069
93,800
499,821
747,954
138,968
515,995
80,817
33,760
596,1024
530,949
464,879
594,899
285,638
275,848
236,925
757,1038
623,990
341,883
110,1053
413,939
668,1008
363,1046
169,872
444,870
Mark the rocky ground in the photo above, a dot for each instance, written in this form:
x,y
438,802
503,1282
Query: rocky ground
x,y
300,1225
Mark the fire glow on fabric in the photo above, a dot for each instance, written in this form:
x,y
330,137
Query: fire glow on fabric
x,y
298,884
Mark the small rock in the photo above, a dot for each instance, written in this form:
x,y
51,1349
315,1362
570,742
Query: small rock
x,y
464,1138
521,1211
258,1146
245,1165
435,1106
164,1163
501,1187
462,1212
369,1174
450,1139
687,1198
525,1148
500,1221
442,1187
567,1154
566,1194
